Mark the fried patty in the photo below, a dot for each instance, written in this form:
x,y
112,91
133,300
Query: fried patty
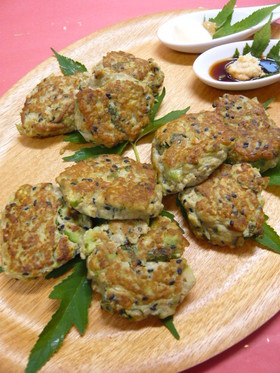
x,y
112,187
114,111
139,269
49,108
257,138
187,150
228,207
39,231
146,71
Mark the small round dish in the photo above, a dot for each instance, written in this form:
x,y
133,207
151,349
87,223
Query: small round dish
x,y
176,32
204,62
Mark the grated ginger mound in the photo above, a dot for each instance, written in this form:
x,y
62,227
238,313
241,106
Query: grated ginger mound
x,y
245,68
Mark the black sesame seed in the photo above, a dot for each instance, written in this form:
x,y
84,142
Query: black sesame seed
x,y
172,282
178,261
179,271
154,307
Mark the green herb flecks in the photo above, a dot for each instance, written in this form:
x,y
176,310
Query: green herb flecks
x,y
1,269
75,137
224,15
168,323
157,123
252,20
270,238
85,153
171,216
75,295
67,65
273,174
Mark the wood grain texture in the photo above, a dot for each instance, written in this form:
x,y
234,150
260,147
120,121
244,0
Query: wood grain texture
x,y
236,290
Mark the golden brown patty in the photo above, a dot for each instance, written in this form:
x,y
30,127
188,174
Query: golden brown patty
x,y
137,269
39,232
227,207
49,108
112,187
257,137
187,150
146,71
114,112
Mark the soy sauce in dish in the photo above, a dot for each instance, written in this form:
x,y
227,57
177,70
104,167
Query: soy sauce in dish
x,y
218,70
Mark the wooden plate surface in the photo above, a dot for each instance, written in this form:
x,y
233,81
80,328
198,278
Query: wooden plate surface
x,y
236,291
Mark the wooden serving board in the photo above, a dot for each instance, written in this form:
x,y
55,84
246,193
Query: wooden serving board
x,y
236,290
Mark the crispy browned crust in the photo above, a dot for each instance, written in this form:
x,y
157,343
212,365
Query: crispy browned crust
x,y
190,137
228,202
187,150
146,71
31,243
256,135
111,186
49,108
142,276
113,113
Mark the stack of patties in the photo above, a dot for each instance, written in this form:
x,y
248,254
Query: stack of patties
x,y
108,107
223,203
134,256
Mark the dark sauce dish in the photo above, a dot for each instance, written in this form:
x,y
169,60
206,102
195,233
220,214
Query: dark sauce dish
x,y
209,67
219,72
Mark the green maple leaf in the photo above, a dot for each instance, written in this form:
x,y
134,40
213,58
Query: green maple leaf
x,y
270,238
85,153
75,137
274,52
157,103
248,22
225,14
168,323
157,123
268,102
273,174
67,65
261,40
75,295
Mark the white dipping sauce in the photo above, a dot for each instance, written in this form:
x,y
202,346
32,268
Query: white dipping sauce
x,y
191,31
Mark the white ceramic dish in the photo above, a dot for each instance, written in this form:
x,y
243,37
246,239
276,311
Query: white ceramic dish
x,y
203,63
169,32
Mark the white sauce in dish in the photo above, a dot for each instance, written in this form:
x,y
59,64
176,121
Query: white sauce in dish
x,y
191,31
